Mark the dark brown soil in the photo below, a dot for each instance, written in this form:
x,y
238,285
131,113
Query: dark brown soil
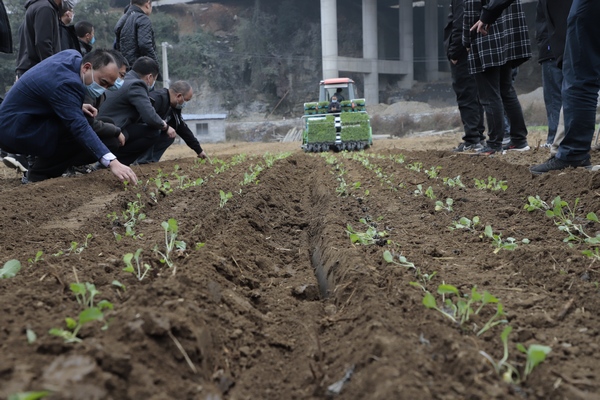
x,y
279,304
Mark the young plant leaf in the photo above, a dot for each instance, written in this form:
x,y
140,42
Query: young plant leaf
x,y
29,395
31,336
448,289
89,315
387,256
10,269
118,284
71,323
429,301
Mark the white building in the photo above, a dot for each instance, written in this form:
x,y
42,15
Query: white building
x,y
208,128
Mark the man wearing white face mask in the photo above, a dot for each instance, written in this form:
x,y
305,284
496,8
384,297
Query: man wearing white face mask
x,y
131,109
168,103
43,114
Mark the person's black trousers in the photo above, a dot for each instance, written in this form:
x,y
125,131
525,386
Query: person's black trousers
x,y
138,139
497,95
467,98
68,153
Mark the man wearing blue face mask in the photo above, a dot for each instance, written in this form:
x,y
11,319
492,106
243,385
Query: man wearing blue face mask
x,y
107,131
169,103
43,114
105,128
86,34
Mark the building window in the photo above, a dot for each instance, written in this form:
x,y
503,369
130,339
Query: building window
x,y
202,129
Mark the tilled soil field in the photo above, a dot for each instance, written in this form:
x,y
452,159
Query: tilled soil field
x,y
269,298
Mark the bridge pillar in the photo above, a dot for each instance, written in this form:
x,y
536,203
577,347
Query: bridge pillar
x,y
405,9
431,41
329,38
370,50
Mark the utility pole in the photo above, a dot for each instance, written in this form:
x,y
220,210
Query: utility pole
x,y
165,63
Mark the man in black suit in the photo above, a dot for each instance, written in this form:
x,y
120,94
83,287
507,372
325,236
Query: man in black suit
x,y
130,109
169,103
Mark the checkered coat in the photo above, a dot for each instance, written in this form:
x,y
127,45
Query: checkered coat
x,y
507,40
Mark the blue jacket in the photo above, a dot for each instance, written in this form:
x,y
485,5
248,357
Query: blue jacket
x,y
44,107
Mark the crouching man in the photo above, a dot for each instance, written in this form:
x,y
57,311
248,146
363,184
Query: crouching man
x,y
43,114
168,103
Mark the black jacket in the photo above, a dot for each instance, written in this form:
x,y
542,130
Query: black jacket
x,y
135,36
85,47
541,34
162,105
39,35
556,13
68,37
492,9
453,32
6,45
130,104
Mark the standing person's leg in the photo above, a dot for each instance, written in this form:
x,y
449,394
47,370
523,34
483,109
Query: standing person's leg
x,y
488,86
467,99
552,78
514,112
481,125
581,83
581,80
560,134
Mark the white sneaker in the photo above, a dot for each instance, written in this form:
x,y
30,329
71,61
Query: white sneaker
x,y
12,163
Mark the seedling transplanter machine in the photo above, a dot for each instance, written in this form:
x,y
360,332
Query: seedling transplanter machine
x,y
348,128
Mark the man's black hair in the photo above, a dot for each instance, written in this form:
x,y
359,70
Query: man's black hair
x,y
82,28
140,3
145,65
119,59
99,58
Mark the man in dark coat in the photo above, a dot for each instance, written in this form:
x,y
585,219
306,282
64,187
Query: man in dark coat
x,y
6,45
169,103
39,35
43,114
463,83
493,53
134,33
131,109
68,37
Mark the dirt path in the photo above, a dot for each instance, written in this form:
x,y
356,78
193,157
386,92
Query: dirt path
x,y
270,299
